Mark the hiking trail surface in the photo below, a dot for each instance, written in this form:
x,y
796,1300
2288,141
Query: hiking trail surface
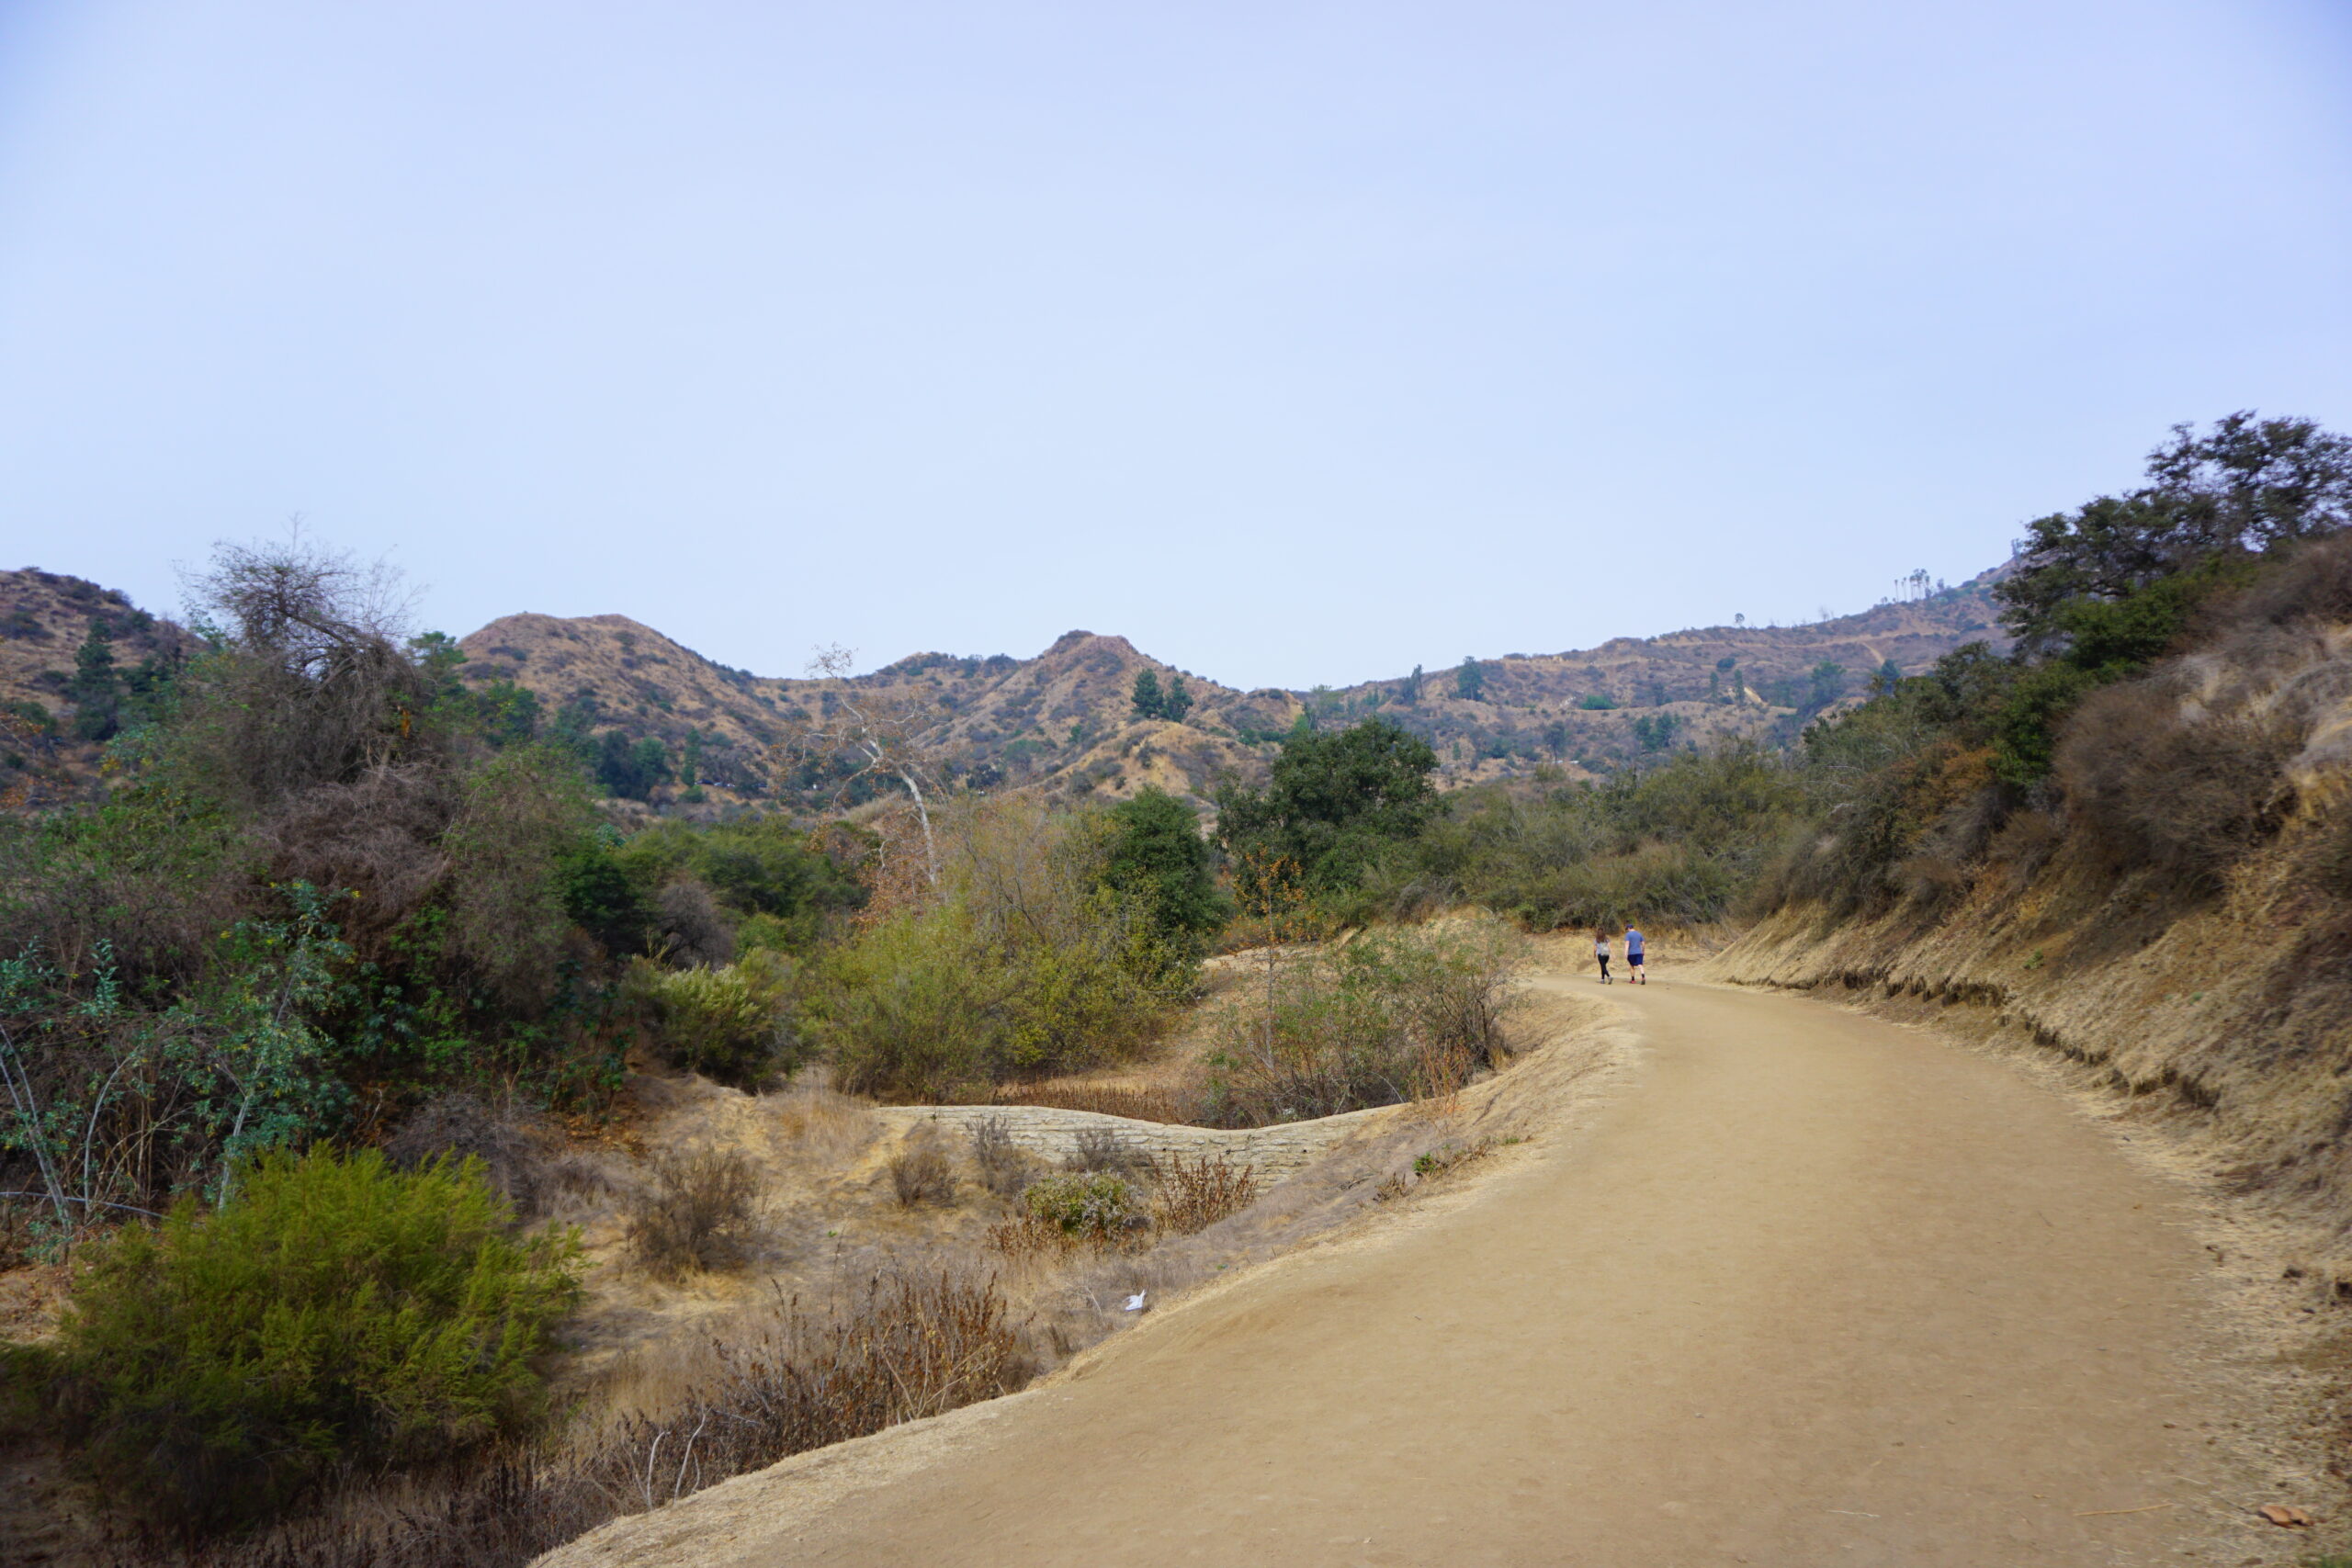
x,y
1810,1289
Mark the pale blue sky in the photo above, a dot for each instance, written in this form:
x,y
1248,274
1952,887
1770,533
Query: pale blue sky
x,y
1296,341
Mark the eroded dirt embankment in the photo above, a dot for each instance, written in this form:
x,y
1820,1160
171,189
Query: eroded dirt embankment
x,y
2225,1017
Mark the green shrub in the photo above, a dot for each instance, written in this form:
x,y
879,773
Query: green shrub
x,y
1389,1016
1023,965
1084,1204
334,1310
727,1022
1677,842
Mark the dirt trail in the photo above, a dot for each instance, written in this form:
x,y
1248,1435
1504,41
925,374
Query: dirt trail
x,y
1814,1290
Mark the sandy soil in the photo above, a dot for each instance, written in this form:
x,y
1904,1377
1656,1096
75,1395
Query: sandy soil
x,y
1812,1289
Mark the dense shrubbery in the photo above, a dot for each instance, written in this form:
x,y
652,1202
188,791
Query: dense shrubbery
x,y
1025,962
1679,842
730,1023
334,1311
1389,1016
2169,672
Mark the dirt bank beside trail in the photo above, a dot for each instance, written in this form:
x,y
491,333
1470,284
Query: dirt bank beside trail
x,y
1808,1288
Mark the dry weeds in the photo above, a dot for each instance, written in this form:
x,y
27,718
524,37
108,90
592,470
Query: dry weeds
x,y
1003,1168
1109,1099
919,1174
1196,1193
699,1212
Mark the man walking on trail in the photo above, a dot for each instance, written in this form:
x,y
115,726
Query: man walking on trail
x,y
1600,953
1634,957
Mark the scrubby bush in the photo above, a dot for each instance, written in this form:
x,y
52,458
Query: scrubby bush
x,y
1021,963
1102,1148
761,868
334,1310
457,1124
1094,1205
919,1174
912,1345
1004,1170
1196,1193
730,1024
2155,781
700,1211
1387,1018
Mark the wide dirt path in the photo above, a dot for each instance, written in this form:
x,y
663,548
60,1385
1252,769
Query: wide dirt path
x,y
1812,1290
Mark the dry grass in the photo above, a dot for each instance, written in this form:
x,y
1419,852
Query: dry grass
x,y
1028,1238
1102,1148
1109,1099
820,1126
1196,1193
1003,1168
699,1212
910,1346
919,1174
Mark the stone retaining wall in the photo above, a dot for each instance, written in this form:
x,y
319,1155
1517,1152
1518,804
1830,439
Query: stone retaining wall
x,y
1275,1151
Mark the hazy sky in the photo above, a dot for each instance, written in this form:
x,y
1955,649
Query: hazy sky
x,y
1296,341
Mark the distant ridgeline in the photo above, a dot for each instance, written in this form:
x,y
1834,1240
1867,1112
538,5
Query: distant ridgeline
x,y
1090,715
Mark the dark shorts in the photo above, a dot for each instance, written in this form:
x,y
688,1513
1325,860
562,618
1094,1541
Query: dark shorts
x,y
1634,958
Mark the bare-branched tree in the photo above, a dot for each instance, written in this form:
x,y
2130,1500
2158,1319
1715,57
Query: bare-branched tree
x,y
879,735
313,686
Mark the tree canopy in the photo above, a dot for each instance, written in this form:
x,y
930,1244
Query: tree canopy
x,y
1333,802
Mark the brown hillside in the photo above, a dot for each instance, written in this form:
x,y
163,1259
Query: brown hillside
x,y
44,618
1063,719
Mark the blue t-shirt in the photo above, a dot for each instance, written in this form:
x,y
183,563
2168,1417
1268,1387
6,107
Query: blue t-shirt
x,y
1633,942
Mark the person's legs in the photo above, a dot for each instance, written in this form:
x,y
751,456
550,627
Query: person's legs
x,y
1604,967
1641,975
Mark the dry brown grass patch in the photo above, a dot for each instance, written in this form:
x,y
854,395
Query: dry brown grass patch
x,y
919,1174
699,1212
1106,1099
1196,1193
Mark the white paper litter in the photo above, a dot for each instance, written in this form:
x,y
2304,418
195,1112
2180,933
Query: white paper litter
x,y
1135,1303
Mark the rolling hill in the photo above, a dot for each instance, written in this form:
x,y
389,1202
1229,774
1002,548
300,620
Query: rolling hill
x,y
1065,718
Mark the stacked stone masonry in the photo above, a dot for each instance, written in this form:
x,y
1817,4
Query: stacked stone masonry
x,y
1276,1151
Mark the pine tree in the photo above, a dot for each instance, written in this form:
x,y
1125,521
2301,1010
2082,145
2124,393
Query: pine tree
x,y
1149,703
96,689
1470,681
1176,701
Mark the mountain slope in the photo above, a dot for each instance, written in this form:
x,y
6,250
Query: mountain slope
x,y
1065,718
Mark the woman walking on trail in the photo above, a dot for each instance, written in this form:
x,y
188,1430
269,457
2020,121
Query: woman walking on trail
x,y
1634,957
1600,953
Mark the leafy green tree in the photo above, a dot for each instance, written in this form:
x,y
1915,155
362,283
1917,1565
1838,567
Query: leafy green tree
x,y
1655,732
1148,703
1176,701
1333,803
1156,858
508,714
630,771
1470,681
1597,702
1828,681
2237,490
1412,684
690,765
96,688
